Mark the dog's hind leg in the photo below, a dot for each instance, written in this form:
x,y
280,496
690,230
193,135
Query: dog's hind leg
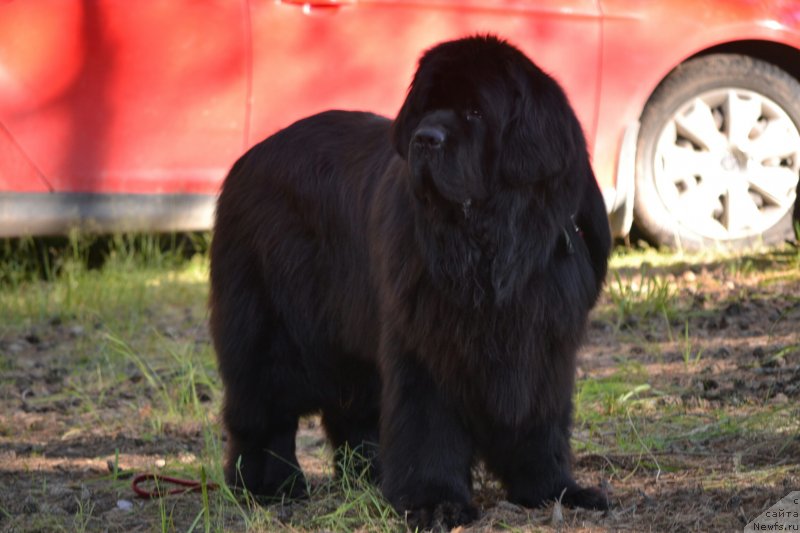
x,y
266,390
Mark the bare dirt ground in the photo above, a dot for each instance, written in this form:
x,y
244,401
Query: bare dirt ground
x,y
687,414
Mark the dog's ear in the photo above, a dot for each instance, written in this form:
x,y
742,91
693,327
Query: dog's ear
x,y
542,140
407,119
413,107
401,127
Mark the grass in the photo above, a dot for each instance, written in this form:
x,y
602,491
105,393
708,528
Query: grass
x,y
62,282
644,295
131,312
126,364
349,503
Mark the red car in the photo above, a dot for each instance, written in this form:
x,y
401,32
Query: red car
x,y
127,115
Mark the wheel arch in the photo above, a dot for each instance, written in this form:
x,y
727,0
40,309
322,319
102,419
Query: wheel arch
x,y
781,55
778,54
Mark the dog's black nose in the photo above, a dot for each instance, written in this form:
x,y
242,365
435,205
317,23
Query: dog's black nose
x,y
430,136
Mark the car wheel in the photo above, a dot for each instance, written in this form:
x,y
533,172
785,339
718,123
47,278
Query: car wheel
x,y
718,155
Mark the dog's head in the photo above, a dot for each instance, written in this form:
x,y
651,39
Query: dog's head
x,y
480,117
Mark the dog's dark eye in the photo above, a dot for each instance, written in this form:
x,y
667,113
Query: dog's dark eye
x,y
474,114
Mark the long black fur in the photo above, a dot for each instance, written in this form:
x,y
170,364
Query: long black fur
x,y
424,283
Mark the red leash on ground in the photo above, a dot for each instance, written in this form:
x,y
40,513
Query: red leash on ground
x,y
183,485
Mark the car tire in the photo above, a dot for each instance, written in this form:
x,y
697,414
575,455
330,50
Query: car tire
x,y
718,155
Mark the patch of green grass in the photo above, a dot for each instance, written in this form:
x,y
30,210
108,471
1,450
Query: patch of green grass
x,y
609,396
642,296
637,427
179,378
632,258
626,413
348,502
66,282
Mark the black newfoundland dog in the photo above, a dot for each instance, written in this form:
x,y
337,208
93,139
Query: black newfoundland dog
x,y
424,283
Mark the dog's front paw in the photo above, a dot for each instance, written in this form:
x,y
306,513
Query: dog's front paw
x,y
441,516
588,498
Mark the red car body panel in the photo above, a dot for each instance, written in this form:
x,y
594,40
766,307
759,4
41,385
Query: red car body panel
x,y
363,56
122,97
159,98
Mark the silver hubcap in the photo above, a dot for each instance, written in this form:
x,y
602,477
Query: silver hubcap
x,y
727,164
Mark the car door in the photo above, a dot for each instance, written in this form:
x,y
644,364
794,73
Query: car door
x,y
108,96
309,56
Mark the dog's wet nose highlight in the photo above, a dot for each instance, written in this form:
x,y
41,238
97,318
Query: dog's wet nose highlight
x,y
429,136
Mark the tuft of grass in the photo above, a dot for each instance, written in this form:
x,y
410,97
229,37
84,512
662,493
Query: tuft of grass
x,y
83,516
689,353
181,381
597,398
349,502
642,296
